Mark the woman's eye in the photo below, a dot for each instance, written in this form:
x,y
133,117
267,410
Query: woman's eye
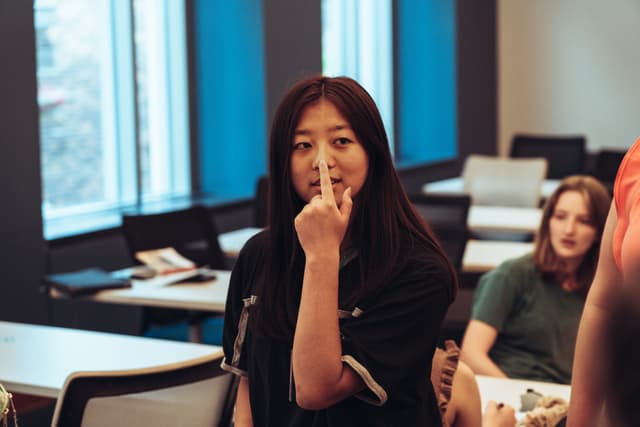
x,y
586,221
301,145
342,141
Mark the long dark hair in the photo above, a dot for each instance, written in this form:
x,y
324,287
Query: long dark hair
x,y
381,213
598,201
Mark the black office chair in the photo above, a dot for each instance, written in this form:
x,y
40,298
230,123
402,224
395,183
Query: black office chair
x,y
447,216
261,202
194,393
442,209
606,166
565,154
192,233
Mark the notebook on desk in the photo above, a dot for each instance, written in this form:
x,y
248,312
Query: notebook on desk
x,y
85,281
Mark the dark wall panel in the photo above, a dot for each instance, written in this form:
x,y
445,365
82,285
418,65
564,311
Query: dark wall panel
x,y
293,47
477,77
21,243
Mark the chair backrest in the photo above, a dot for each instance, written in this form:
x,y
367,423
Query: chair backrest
x,y
189,231
606,165
565,154
194,393
447,215
442,209
496,181
261,202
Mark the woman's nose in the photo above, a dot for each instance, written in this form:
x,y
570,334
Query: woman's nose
x,y
323,153
570,226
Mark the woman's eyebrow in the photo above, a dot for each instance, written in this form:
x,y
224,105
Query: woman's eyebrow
x,y
338,127
302,132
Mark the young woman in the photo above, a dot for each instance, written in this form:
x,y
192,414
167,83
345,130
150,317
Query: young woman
x,y
611,318
333,311
525,313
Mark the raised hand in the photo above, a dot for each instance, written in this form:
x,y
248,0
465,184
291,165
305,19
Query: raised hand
x,y
321,225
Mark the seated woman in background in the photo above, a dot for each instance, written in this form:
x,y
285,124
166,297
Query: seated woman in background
x,y
526,312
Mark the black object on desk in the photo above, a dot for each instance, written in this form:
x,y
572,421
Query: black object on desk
x,y
87,281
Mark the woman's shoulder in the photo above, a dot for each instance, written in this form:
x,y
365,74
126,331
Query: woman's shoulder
x,y
256,245
252,256
522,263
416,252
422,268
512,270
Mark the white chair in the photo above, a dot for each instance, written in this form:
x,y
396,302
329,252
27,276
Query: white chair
x,y
496,181
196,393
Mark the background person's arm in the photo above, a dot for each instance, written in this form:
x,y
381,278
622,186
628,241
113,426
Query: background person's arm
x,y
588,380
465,407
478,340
242,413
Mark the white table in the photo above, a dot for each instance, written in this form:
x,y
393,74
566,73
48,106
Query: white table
x,y
202,296
162,291
484,255
503,219
456,185
36,359
509,390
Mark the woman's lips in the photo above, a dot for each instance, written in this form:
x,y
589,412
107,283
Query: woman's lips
x,y
333,181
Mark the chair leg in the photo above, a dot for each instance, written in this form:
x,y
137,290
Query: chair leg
x,y
195,332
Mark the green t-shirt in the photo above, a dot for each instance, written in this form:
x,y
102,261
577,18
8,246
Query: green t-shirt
x,y
537,321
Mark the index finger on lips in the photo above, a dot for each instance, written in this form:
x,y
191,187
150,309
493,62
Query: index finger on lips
x,y
325,182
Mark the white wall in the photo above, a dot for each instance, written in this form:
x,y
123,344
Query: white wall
x,y
569,66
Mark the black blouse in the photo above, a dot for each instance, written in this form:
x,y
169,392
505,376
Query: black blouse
x,y
389,341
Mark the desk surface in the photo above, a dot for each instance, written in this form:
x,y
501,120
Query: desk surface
x,y
483,255
456,185
508,390
159,292
37,359
204,296
501,218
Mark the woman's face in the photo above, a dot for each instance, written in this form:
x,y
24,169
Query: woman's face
x,y
323,133
570,230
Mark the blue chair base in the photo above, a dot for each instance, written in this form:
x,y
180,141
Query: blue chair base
x,y
211,331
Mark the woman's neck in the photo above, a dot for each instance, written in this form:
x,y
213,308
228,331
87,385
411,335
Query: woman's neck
x,y
568,275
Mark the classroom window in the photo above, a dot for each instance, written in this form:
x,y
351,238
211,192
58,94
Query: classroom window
x,y
112,94
357,41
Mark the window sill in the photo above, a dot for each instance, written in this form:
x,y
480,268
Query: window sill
x,y
72,226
